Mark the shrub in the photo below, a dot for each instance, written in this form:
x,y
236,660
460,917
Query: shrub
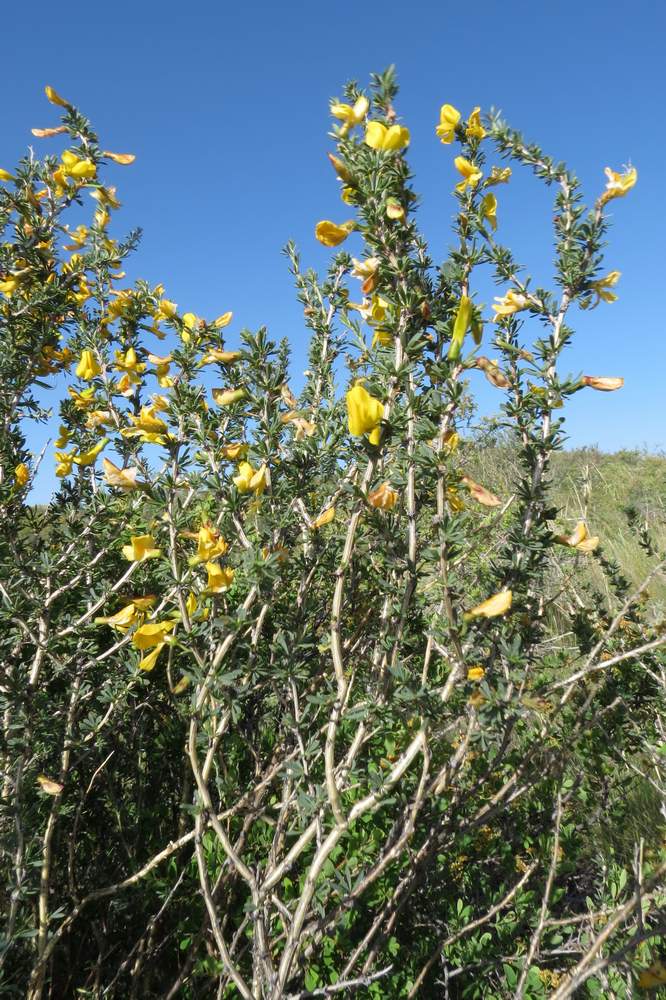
x,y
286,709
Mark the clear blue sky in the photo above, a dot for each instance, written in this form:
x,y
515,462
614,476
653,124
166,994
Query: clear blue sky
x,y
226,108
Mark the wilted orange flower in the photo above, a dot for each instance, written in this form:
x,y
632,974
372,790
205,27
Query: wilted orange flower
x,y
493,372
123,479
481,494
579,539
603,383
384,497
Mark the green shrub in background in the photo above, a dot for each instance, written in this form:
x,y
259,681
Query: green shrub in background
x,y
294,703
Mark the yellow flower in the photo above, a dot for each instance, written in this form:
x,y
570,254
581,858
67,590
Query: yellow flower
x,y
165,310
223,320
190,322
63,464
448,119
249,480
602,290
579,539
141,547
510,303
77,167
363,410
324,518
378,136
5,175
603,383
88,457
496,605
460,327
22,474
127,384
148,660
152,634
350,114
450,442
210,545
382,337
219,578
331,234
128,362
78,237
366,270
481,494
147,426
9,286
144,603
498,175
63,440
475,674
383,497
618,184
106,197
97,418
470,173
373,310
87,367
653,976
123,619
489,209
215,355
454,500
55,98
123,479
475,129
234,451
226,397
164,380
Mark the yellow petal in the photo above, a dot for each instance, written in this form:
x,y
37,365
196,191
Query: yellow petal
x,y
55,98
496,605
148,660
22,474
364,412
331,234
325,518
226,397
152,634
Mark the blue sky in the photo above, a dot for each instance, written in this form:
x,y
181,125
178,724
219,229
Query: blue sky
x,y
226,108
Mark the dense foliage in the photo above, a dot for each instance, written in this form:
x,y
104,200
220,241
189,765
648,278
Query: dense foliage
x,y
295,702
